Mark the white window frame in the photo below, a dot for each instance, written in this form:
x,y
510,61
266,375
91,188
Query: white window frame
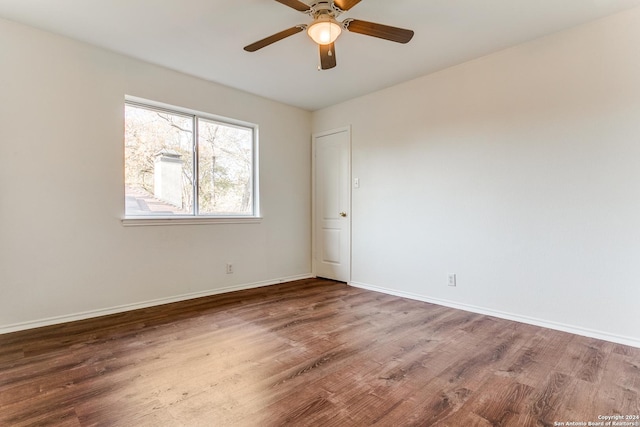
x,y
195,218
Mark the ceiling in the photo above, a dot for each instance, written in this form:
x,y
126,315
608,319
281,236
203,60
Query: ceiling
x,y
205,38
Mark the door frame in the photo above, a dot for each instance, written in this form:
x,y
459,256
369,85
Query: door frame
x,y
315,136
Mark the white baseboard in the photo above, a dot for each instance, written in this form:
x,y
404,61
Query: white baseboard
x,y
145,304
633,342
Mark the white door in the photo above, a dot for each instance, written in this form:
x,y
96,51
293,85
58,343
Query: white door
x,y
332,204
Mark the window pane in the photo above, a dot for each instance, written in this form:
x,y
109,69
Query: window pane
x,y
225,166
158,162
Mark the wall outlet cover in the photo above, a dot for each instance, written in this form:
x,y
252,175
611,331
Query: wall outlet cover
x,y
451,280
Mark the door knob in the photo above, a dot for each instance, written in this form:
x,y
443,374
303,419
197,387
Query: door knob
x,y
343,214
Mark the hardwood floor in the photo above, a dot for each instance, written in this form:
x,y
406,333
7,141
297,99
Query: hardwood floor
x,y
311,353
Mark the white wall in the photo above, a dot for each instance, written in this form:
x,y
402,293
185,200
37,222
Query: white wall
x,y
63,249
519,172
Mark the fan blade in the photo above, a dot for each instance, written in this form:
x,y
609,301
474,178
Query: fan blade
x,y
274,38
394,34
327,56
345,4
295,4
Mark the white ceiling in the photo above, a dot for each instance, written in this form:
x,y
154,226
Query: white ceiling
x,y
205,38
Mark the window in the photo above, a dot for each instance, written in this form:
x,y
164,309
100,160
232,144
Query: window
x,y
183,164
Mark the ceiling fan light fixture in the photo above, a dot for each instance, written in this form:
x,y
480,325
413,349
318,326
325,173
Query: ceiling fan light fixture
x,y
325,30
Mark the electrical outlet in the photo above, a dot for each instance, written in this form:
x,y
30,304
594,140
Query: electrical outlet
x,y
229,268
452,280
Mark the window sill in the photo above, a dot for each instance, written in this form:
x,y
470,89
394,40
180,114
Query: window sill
x,y
151,221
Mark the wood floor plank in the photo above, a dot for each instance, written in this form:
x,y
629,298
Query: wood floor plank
x,y
308,353
501,401
537,357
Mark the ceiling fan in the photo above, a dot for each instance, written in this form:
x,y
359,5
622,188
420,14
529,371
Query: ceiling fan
x,y
325,28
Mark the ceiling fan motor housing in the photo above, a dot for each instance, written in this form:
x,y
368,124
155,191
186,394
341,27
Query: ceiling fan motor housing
x,y
324,8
